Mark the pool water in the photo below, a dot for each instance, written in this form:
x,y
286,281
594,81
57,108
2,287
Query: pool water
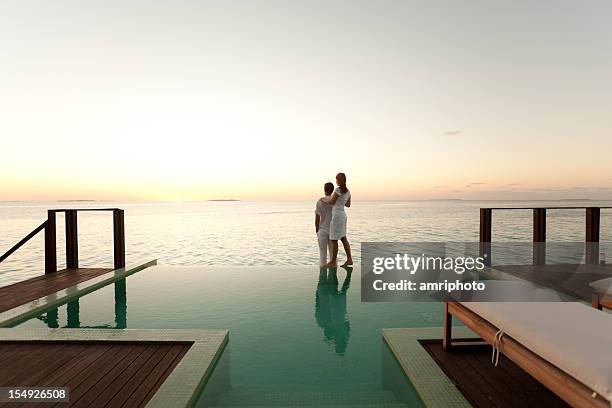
x,y
298,335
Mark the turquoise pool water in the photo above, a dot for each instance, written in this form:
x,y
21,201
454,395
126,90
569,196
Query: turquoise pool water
x,y
297,334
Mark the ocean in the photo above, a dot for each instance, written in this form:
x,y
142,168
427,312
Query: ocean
x,y
265,233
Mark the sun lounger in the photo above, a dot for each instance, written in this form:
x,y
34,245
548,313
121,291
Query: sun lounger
x,y
565,346
602,293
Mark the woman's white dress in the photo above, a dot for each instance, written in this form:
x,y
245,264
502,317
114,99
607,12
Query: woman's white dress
x,y
337,228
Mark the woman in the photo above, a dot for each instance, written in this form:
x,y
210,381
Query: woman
x,y
339,199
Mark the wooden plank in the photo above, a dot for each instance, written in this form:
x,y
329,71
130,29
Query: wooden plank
x,y
6,350
74,368
486,385
501,392
469,384
23,360
111,374
520,382
53,279
56,281
122,357
166,374
108,386
157,375
23,292
142,373
48,365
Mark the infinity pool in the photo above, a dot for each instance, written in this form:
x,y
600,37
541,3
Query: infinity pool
x,y
297,334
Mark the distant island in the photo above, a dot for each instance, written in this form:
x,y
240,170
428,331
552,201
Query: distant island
x,y
575,199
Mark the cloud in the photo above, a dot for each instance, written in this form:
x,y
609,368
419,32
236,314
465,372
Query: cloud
x,y
474,183
452,133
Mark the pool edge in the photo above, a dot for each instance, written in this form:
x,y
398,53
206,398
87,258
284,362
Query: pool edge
x,y
434,388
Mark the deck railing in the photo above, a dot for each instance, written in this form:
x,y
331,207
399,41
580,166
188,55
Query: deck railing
x,y
592,221
72,240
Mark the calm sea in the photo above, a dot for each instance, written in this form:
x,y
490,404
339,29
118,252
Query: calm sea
x,y
265,233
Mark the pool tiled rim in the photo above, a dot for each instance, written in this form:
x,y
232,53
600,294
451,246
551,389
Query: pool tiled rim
x,y
182,387
34,308
433,386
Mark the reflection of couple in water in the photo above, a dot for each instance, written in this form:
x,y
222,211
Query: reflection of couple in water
x,y
330,307
330,222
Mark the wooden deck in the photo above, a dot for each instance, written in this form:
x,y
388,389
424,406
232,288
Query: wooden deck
x,y
23,292
483,384
96,373
570,279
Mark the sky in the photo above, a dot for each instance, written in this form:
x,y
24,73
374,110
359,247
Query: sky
x,y
267,100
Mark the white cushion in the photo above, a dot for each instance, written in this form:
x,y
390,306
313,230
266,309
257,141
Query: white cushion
x,y
572,336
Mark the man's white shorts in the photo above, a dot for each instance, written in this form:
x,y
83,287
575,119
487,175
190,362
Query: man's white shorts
x,y
324,246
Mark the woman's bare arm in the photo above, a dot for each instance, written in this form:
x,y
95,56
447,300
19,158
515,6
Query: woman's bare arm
x,y
331,199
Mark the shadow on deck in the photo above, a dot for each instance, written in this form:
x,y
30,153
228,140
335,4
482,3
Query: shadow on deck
x,y
484,385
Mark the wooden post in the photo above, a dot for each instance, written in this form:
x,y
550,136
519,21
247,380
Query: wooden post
x,y
485,234
119,238
595,301
447,324
539,236
72,240
592,235
50,244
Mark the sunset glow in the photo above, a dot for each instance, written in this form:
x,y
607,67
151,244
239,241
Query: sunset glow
x,y
218,100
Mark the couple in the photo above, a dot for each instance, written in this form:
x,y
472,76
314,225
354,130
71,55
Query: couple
x,y
330,222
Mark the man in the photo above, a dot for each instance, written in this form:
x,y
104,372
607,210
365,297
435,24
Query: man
x,y
323,215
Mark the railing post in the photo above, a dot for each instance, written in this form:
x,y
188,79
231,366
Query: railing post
x,y
593,215
119,238
485,234
72,240
539,236
50,244
447,330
